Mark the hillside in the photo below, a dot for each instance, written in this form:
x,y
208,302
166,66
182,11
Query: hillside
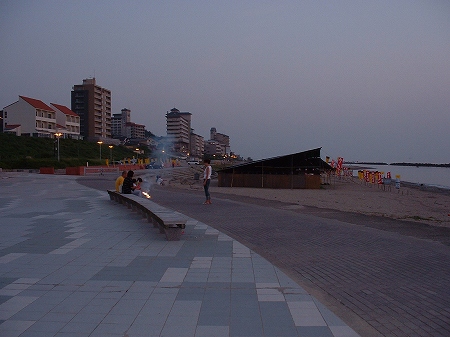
x,y
31,153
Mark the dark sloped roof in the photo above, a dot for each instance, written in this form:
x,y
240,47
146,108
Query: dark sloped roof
x,y
306,160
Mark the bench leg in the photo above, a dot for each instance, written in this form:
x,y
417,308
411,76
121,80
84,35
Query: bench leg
x,y
173,233
150,219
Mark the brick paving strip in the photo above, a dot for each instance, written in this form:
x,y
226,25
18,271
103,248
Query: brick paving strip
x,y
382,276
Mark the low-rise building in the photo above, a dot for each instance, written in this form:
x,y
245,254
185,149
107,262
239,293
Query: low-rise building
x,y
34,117
15,129
68,122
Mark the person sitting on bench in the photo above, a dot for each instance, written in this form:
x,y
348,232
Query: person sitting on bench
x,y
128,186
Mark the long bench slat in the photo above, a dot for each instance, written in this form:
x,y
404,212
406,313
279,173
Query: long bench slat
x,y
170,222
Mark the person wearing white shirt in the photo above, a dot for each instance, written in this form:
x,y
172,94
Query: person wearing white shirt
x,y
207,180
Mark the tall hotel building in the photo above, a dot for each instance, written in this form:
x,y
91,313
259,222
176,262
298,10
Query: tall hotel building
x,y
93,104
179,130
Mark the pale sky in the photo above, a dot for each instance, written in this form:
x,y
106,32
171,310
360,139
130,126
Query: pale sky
x,y
364,80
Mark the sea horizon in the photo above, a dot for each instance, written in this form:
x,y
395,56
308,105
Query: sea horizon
x,y
420,175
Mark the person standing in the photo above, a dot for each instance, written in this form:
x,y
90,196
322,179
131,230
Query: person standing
x,y
207,180
119,181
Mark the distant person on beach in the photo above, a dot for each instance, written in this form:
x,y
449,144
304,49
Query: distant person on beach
x,y
119,181
159,180
207,180
127,187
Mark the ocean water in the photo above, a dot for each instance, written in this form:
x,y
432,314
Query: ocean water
x,y
433,176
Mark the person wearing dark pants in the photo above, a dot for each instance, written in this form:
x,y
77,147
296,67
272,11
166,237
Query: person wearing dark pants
x,y
207,180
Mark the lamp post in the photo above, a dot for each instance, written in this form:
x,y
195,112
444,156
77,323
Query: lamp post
x,y
110,152
58,135
100,144
137,154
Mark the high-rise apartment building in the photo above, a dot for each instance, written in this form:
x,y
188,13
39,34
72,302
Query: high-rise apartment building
x,y
222,139
197,146
179,130
93,104
119,122
134,130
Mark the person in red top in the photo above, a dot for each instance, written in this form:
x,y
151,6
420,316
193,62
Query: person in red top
x,y
207,180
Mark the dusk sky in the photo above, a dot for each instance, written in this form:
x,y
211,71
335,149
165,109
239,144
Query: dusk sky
x,y
364,80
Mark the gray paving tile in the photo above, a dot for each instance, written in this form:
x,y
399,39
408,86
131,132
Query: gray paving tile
x,y
50,327
87,317
107,329
190,293
306,313
179,331
33,333
277,320
123,318
145,329
316,331
212,331
76,327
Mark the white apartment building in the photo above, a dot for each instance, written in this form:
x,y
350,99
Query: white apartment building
x,y
68,122
34,117
179,130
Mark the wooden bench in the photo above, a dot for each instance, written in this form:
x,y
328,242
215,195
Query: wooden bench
x,y
170,222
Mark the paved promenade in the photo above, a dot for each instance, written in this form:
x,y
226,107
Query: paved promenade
x,y
384,277
73,263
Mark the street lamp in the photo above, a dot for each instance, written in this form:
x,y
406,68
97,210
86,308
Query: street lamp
x,y
137,154
100,144
57,135
110,152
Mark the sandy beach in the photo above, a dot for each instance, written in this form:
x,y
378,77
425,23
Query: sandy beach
x,y
409,203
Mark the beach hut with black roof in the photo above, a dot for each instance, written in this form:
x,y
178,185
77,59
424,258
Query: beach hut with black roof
x,y
300,170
